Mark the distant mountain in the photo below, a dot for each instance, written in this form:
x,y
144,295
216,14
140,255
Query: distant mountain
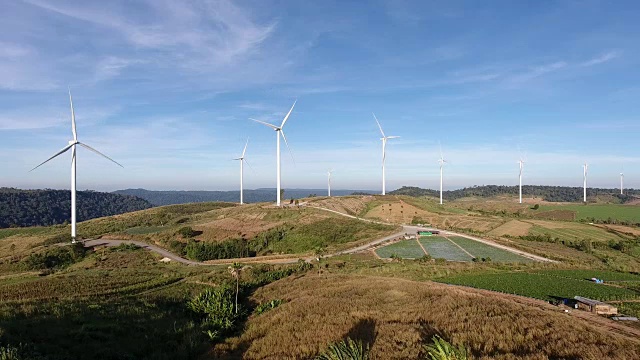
x,y
159,198
547,193
50,207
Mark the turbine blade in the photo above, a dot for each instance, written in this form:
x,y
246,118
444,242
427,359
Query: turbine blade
x,y
99,153
73,118
58,153
246,162
288,148
289,113
392,137
378,122
245,147
265,123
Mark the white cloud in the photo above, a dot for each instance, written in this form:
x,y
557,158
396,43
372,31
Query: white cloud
x,y
601,59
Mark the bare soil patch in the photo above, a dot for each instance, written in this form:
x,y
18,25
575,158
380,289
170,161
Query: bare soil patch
x,y
512,228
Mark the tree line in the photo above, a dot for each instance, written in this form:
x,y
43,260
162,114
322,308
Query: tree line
x,y
47,207
547,193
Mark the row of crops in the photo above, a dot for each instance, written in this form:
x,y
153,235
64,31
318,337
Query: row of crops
x,y
454,248
542,285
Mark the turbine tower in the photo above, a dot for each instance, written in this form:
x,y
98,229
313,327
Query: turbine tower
x,y
621,183
521,162
278,130
585,167
72,145
441,161
242,161
329,182
384,139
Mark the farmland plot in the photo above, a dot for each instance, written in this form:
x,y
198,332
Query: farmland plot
x,y
480,250
407,249
439,247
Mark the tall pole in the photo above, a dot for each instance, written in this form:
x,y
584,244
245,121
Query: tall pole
x,y
278,165
73,194
241,178
621,184
520,181
585,182
441,164
384,142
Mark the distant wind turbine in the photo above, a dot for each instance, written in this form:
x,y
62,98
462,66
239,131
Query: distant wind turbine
x,y
521,162
72,146
384,154
279,131
585,168
329,182
621,183
242,161
441,161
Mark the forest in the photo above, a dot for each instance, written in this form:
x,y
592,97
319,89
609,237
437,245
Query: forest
x,y
547,193
19,208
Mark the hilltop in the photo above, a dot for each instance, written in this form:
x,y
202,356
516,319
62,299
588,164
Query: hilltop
x,y
49,207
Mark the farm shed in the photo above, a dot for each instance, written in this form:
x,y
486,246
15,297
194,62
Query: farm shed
x,y
595,306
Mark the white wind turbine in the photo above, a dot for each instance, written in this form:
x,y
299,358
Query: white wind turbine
x,y
521,162
384,139
585,168
441,161
242,161
72,146
622,183
329,182
279,131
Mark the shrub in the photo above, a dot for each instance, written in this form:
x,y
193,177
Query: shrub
x,y
216,306
56,258
347,349
425,258
443,350
269,305
536,207
187,232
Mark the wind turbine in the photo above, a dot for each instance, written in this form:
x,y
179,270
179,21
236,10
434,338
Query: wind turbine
x,y
329,182
242,161
278,130
384,139
441,161
621,183
72,146
521,162
585,168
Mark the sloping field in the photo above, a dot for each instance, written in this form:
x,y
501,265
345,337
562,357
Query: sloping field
x,y
480,250
541,286
512,228
571,231
399,212
406,249
600,211
440,247
352,205
398,317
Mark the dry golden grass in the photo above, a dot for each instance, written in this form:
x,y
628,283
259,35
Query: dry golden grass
x,y
399,212
352,205
512,228
398,316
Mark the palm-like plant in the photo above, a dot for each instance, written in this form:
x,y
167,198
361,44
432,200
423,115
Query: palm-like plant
x,y
444,350
346,350
236,271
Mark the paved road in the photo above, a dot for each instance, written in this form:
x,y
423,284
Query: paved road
x,y
406,229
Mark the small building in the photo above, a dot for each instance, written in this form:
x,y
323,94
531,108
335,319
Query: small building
x,y
595,306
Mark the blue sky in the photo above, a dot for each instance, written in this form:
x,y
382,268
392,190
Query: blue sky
x,y
167,88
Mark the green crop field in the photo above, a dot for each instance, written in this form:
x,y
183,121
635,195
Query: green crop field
x,y
408,249
570,233
439,247
605,275
480,250
600,211
541,286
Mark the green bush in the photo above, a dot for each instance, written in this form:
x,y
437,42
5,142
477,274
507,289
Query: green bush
x,y
269,305
55,258
186,232
443,350
347,349
228,249
216,307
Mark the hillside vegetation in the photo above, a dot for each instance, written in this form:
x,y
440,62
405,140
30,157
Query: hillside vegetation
x,y
50,207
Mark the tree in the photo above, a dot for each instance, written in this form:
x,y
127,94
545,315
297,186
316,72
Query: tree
x,y
236,271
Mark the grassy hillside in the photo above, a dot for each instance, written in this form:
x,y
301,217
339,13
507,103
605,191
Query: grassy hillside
x,y
398,317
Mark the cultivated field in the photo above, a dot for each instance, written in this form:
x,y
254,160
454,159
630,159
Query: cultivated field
x,y
397,317
440,247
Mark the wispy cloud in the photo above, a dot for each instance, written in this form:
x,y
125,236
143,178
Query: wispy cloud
x,y
606,57
536,72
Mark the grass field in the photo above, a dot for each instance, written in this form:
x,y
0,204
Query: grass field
x,y
629,213
406,249
606,275
440,247
480,250
572,232
543,286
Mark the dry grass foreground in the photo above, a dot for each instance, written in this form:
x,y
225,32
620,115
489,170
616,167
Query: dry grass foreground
x,y
398,316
